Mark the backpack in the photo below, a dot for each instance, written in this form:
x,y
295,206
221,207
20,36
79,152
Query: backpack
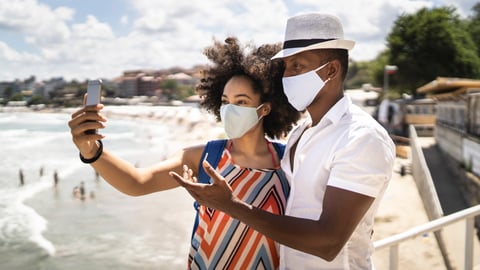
x,y
215,149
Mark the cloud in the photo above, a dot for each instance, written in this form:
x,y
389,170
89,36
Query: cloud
x,y
8,54
38,22
124,20
367,22
170,33
464,7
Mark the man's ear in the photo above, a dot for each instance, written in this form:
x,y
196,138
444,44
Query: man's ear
x,y
334,69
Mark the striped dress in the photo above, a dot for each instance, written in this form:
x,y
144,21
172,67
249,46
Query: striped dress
x,y
221,242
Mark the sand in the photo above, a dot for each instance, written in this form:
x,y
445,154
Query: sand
x,y
400,210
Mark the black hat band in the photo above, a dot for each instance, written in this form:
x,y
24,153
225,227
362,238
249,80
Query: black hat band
x,y
297,43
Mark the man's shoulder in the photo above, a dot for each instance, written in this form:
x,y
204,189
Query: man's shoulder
x,y
363,126
360,118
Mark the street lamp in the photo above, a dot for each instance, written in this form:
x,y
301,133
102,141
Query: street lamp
x,y
388,70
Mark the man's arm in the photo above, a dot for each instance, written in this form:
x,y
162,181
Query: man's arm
x,y
342,211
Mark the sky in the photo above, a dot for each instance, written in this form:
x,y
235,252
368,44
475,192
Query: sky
x,y
87,39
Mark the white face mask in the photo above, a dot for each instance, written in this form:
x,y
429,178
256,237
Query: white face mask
x,y
302,89
237,120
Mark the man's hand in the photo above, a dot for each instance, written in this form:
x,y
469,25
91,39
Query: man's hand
x,y
217,195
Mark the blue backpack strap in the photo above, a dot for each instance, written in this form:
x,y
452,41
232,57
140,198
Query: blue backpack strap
x,y
280,148
214,149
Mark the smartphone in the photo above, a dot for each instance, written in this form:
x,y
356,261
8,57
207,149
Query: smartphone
x,y
94,89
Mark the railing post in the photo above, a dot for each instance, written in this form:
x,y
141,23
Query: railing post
x,y
394,257
469,222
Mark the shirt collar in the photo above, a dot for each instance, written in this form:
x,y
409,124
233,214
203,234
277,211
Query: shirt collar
x,y
336,112
339,109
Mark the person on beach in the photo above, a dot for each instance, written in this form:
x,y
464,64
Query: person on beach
x,y
242,89
339,161
55,178
22,177
79,191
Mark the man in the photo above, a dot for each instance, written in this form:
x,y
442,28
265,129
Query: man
x,y
338,162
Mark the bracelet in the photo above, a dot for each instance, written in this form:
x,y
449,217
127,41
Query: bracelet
x,y
94,158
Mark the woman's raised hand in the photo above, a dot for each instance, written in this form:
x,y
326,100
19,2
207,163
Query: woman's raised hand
x,y
86,119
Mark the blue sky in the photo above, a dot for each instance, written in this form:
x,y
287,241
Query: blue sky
x,y
81,39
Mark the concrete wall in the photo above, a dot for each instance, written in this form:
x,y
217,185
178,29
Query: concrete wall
x,y
450,141
423,179
471,155
426,188
464,152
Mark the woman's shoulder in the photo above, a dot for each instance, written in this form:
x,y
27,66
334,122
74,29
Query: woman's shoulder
x,y
191,155
195,152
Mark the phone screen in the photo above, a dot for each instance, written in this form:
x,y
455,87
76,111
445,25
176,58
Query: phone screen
x,y
94,89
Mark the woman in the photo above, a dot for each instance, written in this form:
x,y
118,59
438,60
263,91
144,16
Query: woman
x,y
242,89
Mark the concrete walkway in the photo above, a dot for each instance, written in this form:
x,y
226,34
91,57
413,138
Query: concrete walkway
x,y
400,210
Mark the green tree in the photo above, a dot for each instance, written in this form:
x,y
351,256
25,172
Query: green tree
x,y
428,44
7,93
17,97
36,99
359,73
185,91
474,26
170,87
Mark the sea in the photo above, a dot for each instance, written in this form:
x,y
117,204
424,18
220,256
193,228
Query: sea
x,y
43,226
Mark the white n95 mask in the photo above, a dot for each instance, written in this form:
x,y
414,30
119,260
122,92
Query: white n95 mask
x,y
237,120
302,89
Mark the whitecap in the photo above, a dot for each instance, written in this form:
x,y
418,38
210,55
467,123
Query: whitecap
x,y
21,224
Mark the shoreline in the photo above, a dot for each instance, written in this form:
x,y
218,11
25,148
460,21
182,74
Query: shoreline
x,y
192,116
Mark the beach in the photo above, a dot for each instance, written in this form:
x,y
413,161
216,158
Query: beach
x,y
42,226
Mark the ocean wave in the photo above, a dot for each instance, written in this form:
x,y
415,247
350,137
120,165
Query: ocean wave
x,y
29,139
21,225
13,132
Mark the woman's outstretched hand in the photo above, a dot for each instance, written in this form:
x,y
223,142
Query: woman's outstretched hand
x,y
87,118
217,195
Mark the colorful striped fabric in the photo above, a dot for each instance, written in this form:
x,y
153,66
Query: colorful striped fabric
x,y
221,242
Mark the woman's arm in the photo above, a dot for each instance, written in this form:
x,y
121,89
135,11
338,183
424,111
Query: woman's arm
x,y
119,173
140,181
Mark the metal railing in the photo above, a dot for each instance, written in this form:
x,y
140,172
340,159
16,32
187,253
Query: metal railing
x,y
468,215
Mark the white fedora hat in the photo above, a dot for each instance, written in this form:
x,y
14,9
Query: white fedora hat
x,y
312,31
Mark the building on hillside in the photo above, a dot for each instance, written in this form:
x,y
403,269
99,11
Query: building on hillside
x,y
7,88
148,85
48,86
127,85
182,79
149,82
